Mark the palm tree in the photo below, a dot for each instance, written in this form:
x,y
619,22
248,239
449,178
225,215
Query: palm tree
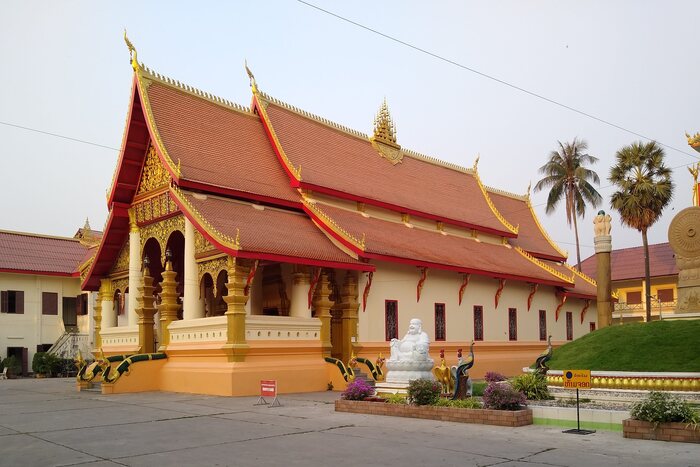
x,y
567,178
645,189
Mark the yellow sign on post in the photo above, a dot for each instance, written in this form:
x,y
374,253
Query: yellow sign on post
x,y
579,379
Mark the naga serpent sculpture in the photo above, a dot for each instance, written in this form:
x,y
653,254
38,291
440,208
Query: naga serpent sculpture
x,y
88,372
347,372
375,369
110,375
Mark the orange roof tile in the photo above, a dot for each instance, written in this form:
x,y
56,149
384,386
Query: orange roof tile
x,y
628,263
40,254
531,237
345,164
217,145
265,232
386,239
582,287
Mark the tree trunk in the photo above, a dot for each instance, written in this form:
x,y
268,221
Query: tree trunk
x,y
647,274
578,248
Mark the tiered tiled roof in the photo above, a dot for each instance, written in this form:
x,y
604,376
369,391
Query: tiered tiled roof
x,y
628,263
531,236
344,163
27,253
264,232
395,241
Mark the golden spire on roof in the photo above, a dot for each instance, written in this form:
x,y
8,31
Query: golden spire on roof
x,y
132,52
253,84
384,138
476,162
384,128
529,186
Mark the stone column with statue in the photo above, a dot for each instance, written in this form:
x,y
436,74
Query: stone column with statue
x,y
603,246
684,237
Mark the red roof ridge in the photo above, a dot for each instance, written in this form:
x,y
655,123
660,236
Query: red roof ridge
x,y
498,191
167,81
318,119
545,266
37,235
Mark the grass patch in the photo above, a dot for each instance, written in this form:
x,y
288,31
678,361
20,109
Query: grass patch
x,y
656,346
478,388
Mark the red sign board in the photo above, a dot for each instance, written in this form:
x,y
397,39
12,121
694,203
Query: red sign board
x,y
268,388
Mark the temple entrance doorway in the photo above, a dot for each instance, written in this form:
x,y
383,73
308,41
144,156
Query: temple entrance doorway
x,y
176,245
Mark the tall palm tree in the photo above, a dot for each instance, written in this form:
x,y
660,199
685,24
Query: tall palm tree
x,y
567,178
644,190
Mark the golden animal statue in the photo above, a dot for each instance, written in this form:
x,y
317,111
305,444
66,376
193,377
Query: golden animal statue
x,y
444,375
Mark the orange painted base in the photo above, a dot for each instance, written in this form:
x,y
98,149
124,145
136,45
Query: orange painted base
x,y
206,369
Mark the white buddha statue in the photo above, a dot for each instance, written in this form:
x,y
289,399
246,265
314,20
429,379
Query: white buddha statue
x,y
410,357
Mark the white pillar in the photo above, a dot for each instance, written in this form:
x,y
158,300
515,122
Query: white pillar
x,y
135,276
193,305
300,295
109,314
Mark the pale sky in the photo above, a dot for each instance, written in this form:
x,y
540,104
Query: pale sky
x,y
65,70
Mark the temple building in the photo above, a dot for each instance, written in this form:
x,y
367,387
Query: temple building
x,y
259,239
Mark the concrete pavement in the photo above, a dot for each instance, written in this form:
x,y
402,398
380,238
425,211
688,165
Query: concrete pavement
x,y
46,422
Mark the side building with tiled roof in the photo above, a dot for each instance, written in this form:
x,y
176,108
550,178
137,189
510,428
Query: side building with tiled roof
x,y
628,283
41,304
275,238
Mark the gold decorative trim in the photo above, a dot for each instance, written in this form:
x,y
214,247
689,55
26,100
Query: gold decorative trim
x,y
316,118
213,268
154,208
85,267
223,239
334,226
296,171
694,140
436,161
565,254
495,211
120,284
505,193
580,274
122,262
161,231
154,175
545,266
201,244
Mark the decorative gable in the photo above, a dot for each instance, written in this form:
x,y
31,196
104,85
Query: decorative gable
x,y
154,174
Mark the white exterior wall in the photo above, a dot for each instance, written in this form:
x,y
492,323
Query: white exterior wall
x,y
398,282
32,328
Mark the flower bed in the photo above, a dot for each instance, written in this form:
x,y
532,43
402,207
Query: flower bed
x,y
511,418
678,431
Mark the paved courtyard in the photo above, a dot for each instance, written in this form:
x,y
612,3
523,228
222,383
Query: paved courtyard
x,y
46,422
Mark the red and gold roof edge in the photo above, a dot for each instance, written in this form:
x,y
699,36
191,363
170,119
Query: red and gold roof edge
x,y
545,266
323,219
580,274
496,212
293,172
526,199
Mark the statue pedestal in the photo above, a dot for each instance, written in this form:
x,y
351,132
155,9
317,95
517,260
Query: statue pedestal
x,y
404,371
684,237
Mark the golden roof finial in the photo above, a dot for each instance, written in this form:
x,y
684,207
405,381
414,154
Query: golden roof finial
x,y
384,128
253,84
132,52
87,224
476,162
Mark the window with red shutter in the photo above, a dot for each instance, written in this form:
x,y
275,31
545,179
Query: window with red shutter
x,y
49,303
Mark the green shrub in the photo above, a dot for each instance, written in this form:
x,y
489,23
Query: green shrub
x,y
395,398
12,364
39,363
533,385
478,388
660,407
423,391
468,403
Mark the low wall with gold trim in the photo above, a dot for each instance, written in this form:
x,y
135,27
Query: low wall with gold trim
x,y
635,380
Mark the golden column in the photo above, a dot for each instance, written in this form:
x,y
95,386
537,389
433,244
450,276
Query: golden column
x,y
168,306
322,305
236,345
145,311
98,318
603,247
349,306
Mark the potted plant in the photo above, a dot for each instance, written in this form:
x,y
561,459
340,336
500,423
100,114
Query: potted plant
x,y
13,366
663,417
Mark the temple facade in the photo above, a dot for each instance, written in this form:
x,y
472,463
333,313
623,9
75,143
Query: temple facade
x,y
248,243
